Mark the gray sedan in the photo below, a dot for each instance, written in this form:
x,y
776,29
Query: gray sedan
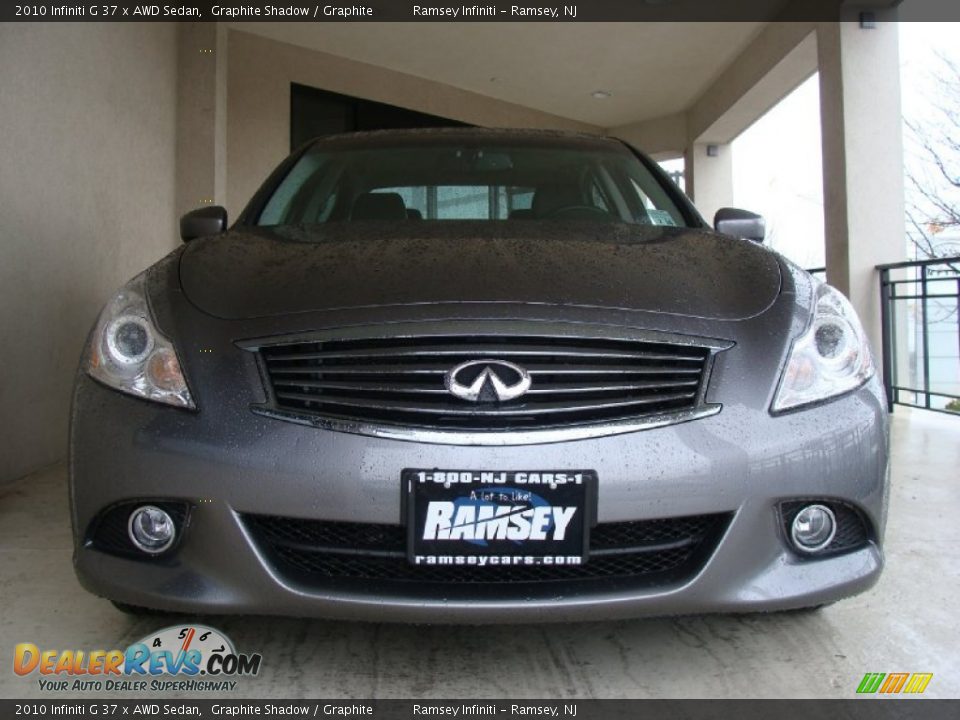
x,y
476,376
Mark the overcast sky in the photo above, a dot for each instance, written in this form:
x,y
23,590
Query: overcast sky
x,y
782,180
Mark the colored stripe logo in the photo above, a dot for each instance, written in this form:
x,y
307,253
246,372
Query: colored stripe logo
x,y
894,683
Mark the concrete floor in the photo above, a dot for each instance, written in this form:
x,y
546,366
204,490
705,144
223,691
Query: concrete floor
x,y
907,623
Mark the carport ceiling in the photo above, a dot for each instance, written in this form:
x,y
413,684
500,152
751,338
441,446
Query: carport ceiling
x,y
649,69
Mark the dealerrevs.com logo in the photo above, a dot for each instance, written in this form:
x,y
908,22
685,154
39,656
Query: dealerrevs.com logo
x,y
182,658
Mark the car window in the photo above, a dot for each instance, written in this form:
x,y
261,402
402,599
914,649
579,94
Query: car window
x,y
462,202
656,215
470,182
596,197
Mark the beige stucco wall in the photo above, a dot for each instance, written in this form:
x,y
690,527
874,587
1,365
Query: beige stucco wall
x,y
861,133
86,197
709,178
258,103
201,115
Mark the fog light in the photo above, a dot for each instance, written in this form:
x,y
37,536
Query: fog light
x,y
151,529
813,528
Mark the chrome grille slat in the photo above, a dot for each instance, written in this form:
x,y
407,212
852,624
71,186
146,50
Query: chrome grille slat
x,y
366,369
361,386
420,388
497,410
399,381
445,350
618,370
432,369
580,387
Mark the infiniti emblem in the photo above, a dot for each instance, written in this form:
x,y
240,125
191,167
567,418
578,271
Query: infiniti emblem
x,y
487,381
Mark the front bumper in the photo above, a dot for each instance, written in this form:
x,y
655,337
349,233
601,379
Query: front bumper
x,y
742,461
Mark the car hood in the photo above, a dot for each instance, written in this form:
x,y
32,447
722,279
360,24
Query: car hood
x,y
259,272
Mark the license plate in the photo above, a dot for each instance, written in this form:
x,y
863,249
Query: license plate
x,y
492,519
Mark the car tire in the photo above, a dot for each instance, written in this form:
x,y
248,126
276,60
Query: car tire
x,y
808,609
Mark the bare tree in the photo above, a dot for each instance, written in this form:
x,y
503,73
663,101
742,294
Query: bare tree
x,y
932,145
933,163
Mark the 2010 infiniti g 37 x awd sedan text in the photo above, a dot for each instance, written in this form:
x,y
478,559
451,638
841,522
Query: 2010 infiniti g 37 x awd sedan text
x,y
476,376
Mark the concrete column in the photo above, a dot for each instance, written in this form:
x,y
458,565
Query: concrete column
x,y
862,158
201,169
708,174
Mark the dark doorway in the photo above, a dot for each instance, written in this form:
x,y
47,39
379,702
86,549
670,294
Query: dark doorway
x,y
315,112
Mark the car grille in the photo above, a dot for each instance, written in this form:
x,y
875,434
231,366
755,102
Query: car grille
x,y
400,381
368,556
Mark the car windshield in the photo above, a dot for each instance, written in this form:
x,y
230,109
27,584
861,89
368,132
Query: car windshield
x,y
470,181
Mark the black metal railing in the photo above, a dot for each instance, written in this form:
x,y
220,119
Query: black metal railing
x,y
920,312
820,273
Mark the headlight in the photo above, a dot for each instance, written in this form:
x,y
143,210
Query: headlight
x,y
128,353
830,358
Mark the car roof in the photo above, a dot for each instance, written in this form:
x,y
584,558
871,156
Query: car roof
x,y
470,135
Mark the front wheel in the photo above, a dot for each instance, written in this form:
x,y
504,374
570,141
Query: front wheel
x,y
808,609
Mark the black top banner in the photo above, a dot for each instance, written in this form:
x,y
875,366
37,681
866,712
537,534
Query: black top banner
x,y
439,11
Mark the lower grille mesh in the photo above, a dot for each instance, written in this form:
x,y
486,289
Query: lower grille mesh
x,y
329,554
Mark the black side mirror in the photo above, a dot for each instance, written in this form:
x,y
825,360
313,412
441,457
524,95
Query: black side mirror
x,y
210,220
740,223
